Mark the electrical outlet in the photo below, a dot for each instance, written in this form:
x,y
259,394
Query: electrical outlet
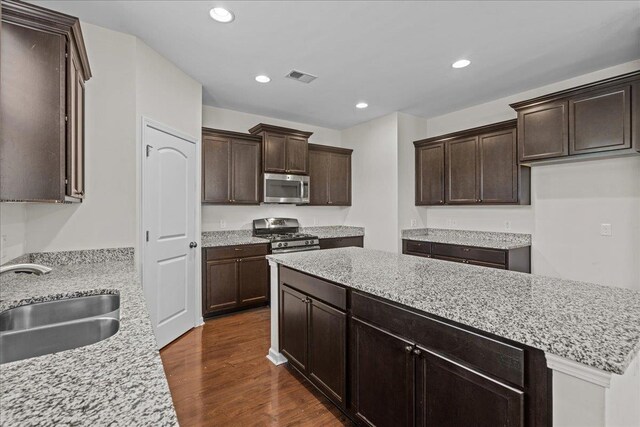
x,y
315,221
414,223
223,223
507,225
605,229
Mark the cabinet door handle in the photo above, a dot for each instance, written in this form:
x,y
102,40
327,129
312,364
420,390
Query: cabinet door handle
x,y
408,348
466,249
417,352
193,245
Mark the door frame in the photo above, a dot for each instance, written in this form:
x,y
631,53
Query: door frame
x,y
140,214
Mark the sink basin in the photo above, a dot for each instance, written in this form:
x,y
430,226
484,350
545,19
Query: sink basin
x,y
45,313
49,327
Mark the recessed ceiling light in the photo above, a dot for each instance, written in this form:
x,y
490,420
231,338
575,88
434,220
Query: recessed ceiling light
x,y
461,63
263,79
221,14
362,105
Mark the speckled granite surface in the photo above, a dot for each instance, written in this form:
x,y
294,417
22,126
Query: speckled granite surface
x,y
117,381
212,239
480,239
595,325
332,231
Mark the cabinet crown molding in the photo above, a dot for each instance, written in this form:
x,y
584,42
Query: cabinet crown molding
x,y
493,127
21,13
230,134
611,81
330,149
263,127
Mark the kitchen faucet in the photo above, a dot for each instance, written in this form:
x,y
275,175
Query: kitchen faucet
x,y
26,268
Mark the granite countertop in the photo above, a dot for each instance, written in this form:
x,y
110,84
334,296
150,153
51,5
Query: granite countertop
x,y
595,325
117,381
211,239
480,239
334,231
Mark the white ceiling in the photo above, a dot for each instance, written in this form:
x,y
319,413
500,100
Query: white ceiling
x,y
394,55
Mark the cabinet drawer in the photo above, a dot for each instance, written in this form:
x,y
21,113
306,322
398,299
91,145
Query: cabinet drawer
x,y
240,251
493,256
342,242
416,247
314,287
494,357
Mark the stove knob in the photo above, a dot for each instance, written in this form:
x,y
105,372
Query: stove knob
x,y
279,244
285,244
306,242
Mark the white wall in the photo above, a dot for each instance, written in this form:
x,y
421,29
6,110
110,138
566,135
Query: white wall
x,y
569,202
106,218
375,180
240,217
13,229
410,128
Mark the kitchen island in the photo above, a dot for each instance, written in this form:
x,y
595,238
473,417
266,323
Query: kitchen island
x,y
496,330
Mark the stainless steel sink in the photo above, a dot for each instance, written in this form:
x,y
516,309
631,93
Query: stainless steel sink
x,y
48,327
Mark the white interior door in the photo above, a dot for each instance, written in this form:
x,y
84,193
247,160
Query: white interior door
x,y
168,218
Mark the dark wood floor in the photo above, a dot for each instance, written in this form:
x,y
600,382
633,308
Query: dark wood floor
x,y
219,376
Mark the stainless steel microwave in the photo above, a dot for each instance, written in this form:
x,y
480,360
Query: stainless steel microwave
x,y
283,188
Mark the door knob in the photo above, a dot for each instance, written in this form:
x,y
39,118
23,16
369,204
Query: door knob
x,y
193,245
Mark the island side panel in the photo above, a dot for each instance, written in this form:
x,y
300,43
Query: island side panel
x,y
274,354
586,396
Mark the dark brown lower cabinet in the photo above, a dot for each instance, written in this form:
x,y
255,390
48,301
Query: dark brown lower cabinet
x,y
342,242
313,337
234,278
517,259
404,367
451,394
382,375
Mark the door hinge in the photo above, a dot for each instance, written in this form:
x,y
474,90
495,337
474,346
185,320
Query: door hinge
x,y
66,55
147,235
66,118
149,150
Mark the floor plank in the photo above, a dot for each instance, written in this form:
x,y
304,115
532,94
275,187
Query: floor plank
x,y
219,376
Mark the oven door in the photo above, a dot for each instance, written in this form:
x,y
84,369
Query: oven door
x,y
281,188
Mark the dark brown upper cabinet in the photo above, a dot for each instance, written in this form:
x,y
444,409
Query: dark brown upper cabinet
x,y
42,74
475,166
430,174
462,171
284,150
329,175
542,131
597,120
231,163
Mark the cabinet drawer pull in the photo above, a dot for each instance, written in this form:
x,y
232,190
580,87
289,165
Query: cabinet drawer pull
x,y
408,348
417,352
466,249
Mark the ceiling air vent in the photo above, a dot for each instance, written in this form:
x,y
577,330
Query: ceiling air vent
x,y
301,77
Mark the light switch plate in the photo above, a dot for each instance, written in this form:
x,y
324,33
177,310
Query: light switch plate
x,y
414,223
223,223
605,229
507,225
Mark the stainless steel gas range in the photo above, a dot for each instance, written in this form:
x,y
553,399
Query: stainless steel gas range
x,y
284,235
